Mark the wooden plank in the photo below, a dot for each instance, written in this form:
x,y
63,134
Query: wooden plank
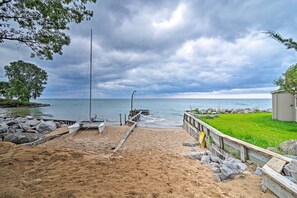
x,y
125,137
276,164
278,184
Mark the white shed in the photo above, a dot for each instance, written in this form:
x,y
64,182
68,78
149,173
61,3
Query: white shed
x,y
284,106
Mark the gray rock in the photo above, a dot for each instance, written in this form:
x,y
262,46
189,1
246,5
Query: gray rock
x,y
25,126
290,169
33,122
230,164
10,130
227,173
258,171
29,117
21,120
46,126
215,167
205,159
58,124
191,144
242,166
289,147
3,128
214,158
20,138
195,155
217,176
12,122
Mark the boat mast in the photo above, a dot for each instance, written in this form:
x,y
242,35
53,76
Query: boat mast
x,y
90,100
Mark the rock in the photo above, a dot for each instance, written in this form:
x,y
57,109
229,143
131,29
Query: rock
x,y
214,158
217,176
275,150
12,122
25,126
191,144
242,166
20,138
227,173
33,123
46,126
290,169
3,128
205,159
195,155
289,147
58,124
215,167
292,156
258,171
21,120
230,164
29,117
10,130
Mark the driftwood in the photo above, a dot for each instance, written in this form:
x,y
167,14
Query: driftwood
x,y
44,139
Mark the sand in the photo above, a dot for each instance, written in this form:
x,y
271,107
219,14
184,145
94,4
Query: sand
x,y
151,163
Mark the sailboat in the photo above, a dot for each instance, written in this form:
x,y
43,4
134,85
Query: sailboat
x,y
93,122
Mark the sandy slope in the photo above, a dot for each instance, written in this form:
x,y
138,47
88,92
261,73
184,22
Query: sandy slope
x,y
150,164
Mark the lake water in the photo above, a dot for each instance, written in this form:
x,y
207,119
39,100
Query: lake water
x,y
163,112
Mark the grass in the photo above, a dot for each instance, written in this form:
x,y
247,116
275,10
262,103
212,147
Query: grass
x,y
256,128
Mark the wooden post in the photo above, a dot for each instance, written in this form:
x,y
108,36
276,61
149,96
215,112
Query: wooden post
x,y
120,119
221,142
125,119
243,153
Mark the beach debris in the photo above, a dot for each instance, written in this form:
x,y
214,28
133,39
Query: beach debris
x,y
289,147
191,144
25,129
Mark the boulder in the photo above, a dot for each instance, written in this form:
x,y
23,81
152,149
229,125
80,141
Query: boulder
x,y
214,158
20,138
58,124
242,166
25,126
33,123
29,117
3,128
195,155
289,147
21,120
258,171
191,144
291,169
205,159
12,122
227,173
46,126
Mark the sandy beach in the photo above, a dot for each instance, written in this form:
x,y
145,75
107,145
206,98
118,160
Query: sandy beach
x,y
151,163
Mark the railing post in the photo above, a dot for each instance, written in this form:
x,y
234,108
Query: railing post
x,y
243,153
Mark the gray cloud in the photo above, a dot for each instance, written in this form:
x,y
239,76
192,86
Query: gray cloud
x,y
171,48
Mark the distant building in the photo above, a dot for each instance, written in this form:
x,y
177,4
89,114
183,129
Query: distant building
x,y
284,106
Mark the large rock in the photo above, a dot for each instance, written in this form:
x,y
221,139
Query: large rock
x,y
291,169
195,155
289,147
46,126
205,159
227,173
20,138
33,122
3,128
25,126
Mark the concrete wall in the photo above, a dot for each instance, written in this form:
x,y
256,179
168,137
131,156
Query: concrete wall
x,y
284,106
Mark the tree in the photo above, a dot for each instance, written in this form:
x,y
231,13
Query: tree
x,y
26,80
3,88
39,24
288,81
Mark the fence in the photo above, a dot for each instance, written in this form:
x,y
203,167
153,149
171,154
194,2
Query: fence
x,y
219,143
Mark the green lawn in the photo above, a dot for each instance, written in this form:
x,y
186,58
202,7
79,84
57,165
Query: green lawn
x,y
256,128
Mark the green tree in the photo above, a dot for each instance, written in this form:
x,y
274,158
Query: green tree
x,y
3,88
26,80
39,24
288,81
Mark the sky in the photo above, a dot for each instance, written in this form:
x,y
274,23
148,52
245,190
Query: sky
x,y
171,49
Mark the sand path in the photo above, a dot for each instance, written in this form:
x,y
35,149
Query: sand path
x,y
150,164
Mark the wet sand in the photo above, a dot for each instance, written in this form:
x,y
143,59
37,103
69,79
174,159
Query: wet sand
x,y
151,163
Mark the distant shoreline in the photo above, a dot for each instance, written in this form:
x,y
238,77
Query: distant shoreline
x,y
19,104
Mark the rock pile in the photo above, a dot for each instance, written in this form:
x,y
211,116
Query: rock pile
x,y
230,110
23,130
223,169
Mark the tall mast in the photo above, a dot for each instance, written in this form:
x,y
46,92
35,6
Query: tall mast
x,y
90,102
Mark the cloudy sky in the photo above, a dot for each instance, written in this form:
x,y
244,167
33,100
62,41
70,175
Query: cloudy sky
x,y
171,49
